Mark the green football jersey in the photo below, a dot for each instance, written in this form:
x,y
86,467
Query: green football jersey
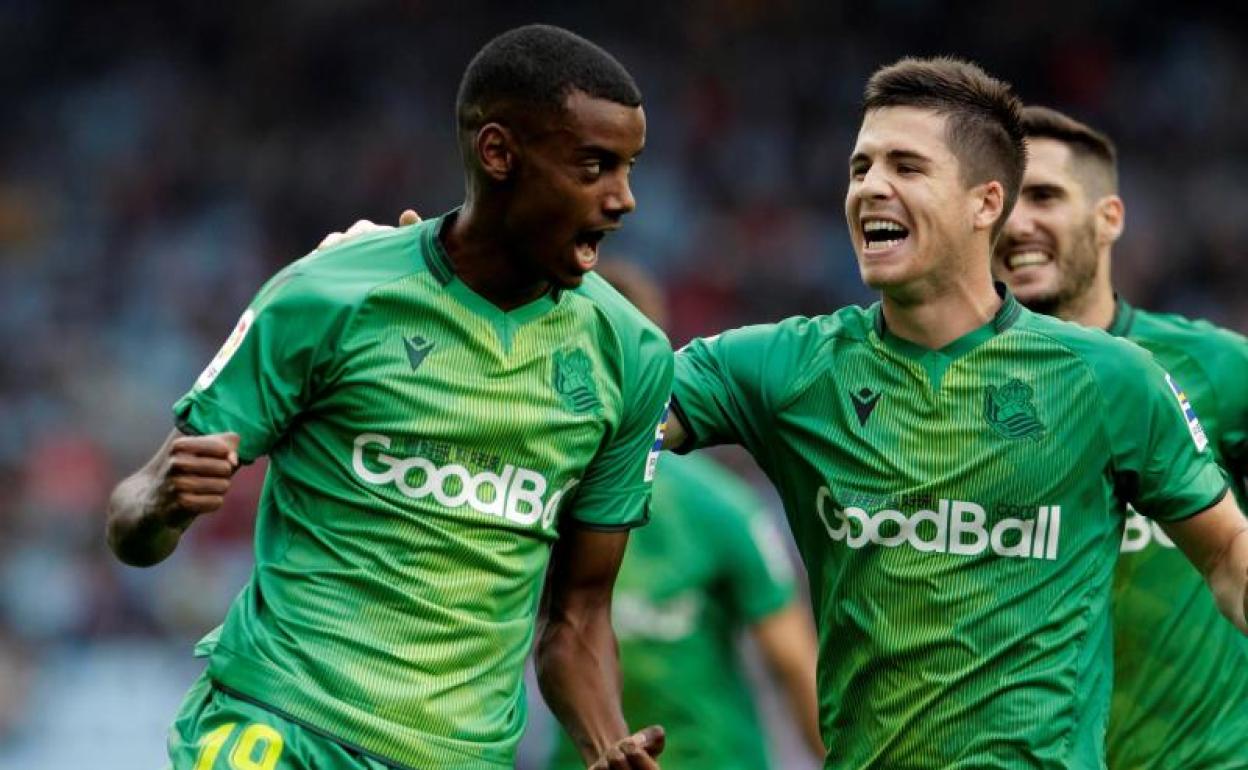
x,y
424,446
959,512
1180,670
709,564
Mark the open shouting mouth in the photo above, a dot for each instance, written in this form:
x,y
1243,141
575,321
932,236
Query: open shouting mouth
x,y
880,235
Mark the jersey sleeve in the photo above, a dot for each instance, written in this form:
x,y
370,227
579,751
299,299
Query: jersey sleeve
x,y
269,368
1161,458
728,387
1230,381
757,570
615,491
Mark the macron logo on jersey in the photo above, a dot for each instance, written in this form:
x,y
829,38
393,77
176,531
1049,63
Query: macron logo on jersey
x,y
515,494
956,527
1189,413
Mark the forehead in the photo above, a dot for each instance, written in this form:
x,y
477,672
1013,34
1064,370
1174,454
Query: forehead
x,y
906,129
590,121
1048,162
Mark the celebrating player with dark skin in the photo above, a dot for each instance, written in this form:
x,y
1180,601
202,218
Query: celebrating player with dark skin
x,y
1180,694
451,412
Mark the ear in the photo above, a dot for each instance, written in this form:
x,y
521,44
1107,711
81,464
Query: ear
x,y
989,204
1111,216
495,147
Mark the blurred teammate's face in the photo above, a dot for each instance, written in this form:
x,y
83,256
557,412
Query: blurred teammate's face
x,y
912,220
1047,253
572,185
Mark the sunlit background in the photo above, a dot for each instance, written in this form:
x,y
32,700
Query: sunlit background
x,y
159,160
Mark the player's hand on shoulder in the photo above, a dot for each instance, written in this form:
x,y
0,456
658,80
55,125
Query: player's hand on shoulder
x,y
364,226
636,752
195,476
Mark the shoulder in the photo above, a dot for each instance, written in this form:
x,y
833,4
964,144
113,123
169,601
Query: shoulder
x,y
1103,354
344,276
619,314
1212,349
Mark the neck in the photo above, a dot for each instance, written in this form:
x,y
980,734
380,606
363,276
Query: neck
x,y
1094,307
939,316
483,258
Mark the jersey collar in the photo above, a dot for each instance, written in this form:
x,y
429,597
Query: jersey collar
x,y
1007,315
505,322
1124,317
936,362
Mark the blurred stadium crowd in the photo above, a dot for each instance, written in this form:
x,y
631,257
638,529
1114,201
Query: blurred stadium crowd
x,y
159,160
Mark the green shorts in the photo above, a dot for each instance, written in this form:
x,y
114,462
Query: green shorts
x,y
217,731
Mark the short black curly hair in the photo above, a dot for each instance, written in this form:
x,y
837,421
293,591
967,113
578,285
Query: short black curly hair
x,y
535,67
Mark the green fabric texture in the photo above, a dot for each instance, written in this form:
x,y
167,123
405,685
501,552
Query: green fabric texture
x,y
1180,669
959,513
218,731
424,447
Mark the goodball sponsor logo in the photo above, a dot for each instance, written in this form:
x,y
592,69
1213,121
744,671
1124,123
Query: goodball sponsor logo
x,y
515,494
956,527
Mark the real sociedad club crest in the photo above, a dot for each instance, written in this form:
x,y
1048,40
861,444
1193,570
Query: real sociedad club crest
x,y
1010,411
574,381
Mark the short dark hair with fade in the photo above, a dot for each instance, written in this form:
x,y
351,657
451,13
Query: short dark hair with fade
x,y
1085,142
535,67
984,129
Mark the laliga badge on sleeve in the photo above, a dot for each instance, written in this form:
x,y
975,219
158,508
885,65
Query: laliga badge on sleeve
x,y
652,459
227,351
1189,414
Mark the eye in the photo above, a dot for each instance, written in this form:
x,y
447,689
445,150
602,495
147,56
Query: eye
x,y
858,171
591,169
905,169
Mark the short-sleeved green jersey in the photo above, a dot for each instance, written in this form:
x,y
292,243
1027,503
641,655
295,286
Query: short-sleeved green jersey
x,y
959,513
1180,670
423,447
709,564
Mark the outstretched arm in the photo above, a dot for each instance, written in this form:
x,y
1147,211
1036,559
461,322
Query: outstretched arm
x,y
1216,542
577,657
186,478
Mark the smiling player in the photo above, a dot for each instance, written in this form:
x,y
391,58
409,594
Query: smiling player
x,y
1180,691
956,469
440,405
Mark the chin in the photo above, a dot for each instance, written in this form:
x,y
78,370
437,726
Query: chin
x,y
881,279
1042,300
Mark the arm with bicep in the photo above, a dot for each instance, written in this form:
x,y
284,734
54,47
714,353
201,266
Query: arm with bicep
x,y
150,509
1216,542
577,657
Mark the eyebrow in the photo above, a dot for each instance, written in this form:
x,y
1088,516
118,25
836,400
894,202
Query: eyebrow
x,y
1044,187
893,155
590,150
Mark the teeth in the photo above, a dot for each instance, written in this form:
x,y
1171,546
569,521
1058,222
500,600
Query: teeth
x,y
877,225
1027,259
881,245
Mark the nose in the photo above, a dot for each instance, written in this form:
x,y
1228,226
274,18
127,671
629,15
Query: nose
x,y
619,199
1022,222
875,183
